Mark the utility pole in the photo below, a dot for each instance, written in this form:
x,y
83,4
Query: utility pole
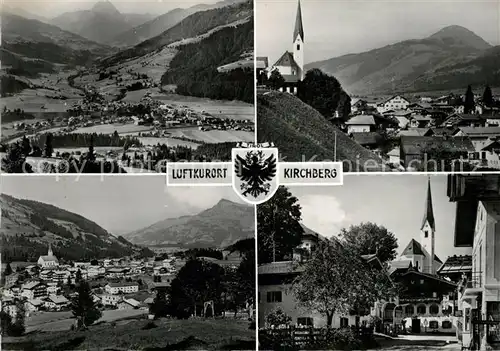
x,y
335,151
275,209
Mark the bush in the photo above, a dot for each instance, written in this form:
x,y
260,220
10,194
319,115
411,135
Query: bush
x,y
149,325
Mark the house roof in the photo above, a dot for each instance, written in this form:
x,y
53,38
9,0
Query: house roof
x,y
458,117
481,131
287,60
30,285
431,276
261,62
413,248
395,96
367,138
490,144
444,131
414,145
361,120
414,132
50,258
116,285
395,152
132,302
456,264
58,299
299,29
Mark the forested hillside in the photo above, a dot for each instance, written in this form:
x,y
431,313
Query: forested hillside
x,y
194,69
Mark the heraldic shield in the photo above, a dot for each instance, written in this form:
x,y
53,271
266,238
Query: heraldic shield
x,y
255,173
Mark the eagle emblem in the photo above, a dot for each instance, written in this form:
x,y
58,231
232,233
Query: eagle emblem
x,y
255,173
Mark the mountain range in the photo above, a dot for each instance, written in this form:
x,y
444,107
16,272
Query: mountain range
x,y
452,58
160,24
217,227
28,227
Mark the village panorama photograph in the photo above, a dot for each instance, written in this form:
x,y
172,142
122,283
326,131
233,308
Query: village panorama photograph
x,y
385,262
123,263
380,85
124,86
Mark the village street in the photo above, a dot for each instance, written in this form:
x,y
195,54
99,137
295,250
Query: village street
x,y
418,342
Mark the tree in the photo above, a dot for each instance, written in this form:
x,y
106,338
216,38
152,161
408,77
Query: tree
x,y
275,80
160,307
15,161
78,276
69,282
369,238
48,148
488,97
18,327
336,281
197,282
323,92
26,146
279,228
278,318
84,307
469,104
8,269
344,107
90,154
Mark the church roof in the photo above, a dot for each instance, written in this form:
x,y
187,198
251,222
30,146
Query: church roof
x,y
50,258
287,60
428,212
413,248
299,29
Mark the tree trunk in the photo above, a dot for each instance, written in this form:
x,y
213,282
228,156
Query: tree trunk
x,y
329,319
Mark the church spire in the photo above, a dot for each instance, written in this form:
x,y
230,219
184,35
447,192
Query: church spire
x,y
50,253
299,29
428,212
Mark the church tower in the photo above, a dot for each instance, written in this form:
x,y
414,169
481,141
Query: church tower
x,y
427,232
50,253
298,43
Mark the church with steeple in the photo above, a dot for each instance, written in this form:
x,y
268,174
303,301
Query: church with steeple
x,y
421,255
291,63
49,260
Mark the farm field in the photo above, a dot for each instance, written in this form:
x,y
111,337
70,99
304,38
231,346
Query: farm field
x,y
171,142
213,136
110,128
167,334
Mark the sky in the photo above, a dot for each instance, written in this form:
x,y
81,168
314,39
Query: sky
x,y
334,28
119,204
393,201
53,8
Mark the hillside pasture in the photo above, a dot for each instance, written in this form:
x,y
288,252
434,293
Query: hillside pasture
x,y
167,334
171,142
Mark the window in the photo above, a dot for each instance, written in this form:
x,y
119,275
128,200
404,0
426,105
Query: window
x,y
433,324
446,325
426,233
421,309
274,296
298,46
305,321
434,294
344,322
409,310
434,309
421,281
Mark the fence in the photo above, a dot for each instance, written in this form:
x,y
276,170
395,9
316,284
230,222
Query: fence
x,y
298,337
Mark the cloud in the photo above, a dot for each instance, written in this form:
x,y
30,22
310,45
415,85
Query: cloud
x,y
323,214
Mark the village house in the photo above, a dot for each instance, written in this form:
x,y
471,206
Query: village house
x,y
492,120
420,121
109,300
361,124
275,280
123,287
33,290
34,305
128,304
9,307
415,149
464,120
396,102
56,302
477,228
369,140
